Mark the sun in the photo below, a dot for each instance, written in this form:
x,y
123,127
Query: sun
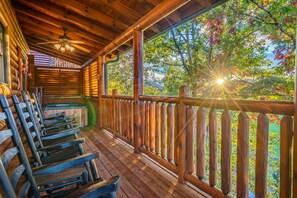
x,y
220,81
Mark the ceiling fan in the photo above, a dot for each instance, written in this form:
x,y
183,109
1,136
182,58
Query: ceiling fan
x,y
65,43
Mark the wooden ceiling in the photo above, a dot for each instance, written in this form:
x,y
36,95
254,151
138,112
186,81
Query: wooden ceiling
x,y
95,22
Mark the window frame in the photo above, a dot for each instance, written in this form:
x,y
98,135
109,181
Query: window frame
x,y
3,51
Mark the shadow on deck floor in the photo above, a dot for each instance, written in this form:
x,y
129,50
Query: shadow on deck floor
x,y
141,177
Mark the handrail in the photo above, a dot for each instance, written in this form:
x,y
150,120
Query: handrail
x,y
269,107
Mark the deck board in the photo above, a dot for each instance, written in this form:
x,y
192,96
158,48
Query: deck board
x,y
141,177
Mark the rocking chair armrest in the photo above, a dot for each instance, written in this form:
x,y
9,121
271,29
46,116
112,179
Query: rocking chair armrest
x,y
55,115
51,122
56,125
70,163
60,134
98,189
63,145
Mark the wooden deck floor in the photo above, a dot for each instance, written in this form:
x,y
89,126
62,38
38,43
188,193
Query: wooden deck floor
x,y
141,177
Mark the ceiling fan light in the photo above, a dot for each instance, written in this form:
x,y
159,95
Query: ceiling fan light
x,y
57,46
71,48
62,49
68,47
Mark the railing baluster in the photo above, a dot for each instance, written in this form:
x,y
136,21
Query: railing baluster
x,y
130,104
152,126
200,148
114,112
142,128
213,147
176,151
126,119
190,140
242,168
170,132
286,156
119,116
163,130
261,155
147,124
157,130
226,143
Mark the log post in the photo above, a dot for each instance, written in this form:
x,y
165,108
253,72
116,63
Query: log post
x,y
138,84
101,91
183,92
286,126
20,63
242,166
114,113
295,133
31,81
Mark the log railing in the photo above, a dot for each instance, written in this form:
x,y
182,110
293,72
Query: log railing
x,y
118,116
192,137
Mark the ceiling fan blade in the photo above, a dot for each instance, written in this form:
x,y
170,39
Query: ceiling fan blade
x,y
48,42
81,48
76,42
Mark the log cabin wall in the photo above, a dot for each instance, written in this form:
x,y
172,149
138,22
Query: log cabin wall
x,y
17,52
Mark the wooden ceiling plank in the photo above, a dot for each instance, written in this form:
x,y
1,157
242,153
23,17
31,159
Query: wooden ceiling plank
x,y
175,16
158,13
54,50
33,40
54,54
204,3
53,11
37,37
129,13
58,23
91,13
58,31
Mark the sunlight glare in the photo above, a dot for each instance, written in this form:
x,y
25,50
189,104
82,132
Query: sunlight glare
x,y
220,81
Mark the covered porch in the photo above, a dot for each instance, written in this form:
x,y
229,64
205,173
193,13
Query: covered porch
x,y
162,146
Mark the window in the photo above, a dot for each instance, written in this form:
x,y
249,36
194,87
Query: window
x,y
86,82
3,61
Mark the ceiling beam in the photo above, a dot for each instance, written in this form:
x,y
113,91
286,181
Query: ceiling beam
x,y
174,16
54,31
55,12
91,13
58,23
66,55
39,39
158,13
204,3
75,53
54,54
131,14
46,35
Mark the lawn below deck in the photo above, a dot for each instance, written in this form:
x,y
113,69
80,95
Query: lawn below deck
x,y
141,177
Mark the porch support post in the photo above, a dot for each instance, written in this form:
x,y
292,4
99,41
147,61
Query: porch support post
x,y
138,84
295,131
101,91
181,138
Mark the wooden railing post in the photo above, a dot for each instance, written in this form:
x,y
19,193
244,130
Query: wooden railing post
x,y
138,85
286,149
100,63
114,112
183,92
